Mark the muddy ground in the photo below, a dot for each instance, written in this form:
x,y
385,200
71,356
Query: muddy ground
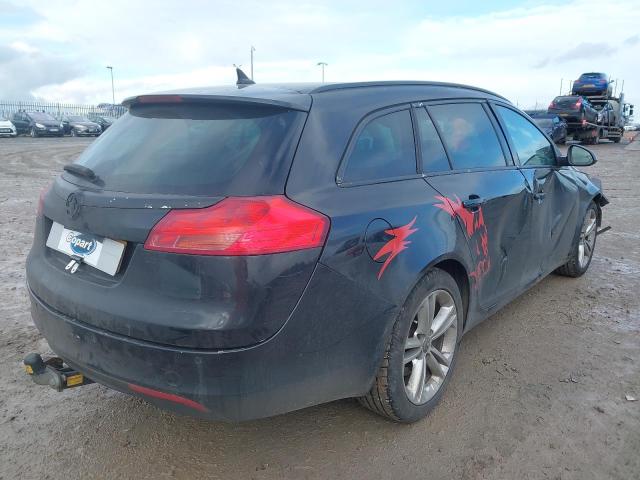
x,y
539,389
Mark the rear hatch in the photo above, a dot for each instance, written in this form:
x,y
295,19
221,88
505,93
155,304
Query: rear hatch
x,y
185,201
569,108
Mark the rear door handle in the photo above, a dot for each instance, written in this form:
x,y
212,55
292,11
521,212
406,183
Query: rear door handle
x,y
474,202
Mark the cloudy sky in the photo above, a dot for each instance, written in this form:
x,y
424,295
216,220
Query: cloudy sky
x,y
58,50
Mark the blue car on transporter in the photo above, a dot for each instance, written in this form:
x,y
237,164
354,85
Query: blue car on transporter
x,y
235,253
593,83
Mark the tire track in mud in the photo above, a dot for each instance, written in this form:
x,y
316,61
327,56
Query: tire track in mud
x,y
31,159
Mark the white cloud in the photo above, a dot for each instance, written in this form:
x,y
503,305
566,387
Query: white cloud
x,y
519,53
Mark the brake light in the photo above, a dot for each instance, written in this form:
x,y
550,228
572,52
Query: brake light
x,y
43,193
159,99
240,226
584,122
552,105
578,103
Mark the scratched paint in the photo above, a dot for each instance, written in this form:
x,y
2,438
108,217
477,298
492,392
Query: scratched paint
x,y
476,231
396,245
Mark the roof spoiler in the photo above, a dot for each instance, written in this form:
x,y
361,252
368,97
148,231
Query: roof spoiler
x,y
243,79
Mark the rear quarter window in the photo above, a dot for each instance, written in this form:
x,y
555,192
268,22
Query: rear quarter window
x,y
197,149
433,155
383,149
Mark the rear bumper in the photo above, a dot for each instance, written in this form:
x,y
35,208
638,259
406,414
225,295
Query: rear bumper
x,y
325,351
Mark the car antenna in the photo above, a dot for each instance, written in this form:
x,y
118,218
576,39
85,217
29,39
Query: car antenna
x,y
243,79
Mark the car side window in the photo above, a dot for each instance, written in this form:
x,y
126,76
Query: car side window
x,y
384,148
468,135
434,158
532,147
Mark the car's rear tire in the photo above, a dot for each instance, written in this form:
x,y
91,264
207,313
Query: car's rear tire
x,y
584,246
421,351
73,133
33,133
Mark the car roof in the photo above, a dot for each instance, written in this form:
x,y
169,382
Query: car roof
x,y
299,95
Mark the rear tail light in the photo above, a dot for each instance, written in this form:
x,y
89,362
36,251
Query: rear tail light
x,y
552,104
584,122
43,193
578,103
240,226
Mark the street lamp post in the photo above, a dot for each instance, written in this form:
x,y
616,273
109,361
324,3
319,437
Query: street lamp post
x,y
113,92
252,50
322,64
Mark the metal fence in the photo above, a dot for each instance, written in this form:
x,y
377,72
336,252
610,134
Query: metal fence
x,y
9,107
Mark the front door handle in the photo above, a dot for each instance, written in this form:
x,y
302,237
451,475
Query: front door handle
x,y
473,203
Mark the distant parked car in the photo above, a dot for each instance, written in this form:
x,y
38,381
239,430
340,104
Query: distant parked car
x,y
78,126
103,121
553,126
37,124
573,108
7,129
592,84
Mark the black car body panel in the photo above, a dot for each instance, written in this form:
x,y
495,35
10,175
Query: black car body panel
x,y
240,337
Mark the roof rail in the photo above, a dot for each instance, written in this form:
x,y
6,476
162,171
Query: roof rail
x,y
397,83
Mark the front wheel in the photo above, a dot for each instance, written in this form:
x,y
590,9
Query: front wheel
x,y
73,133
421,351
582,250
33,132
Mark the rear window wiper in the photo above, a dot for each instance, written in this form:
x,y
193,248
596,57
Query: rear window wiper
x,y
80,171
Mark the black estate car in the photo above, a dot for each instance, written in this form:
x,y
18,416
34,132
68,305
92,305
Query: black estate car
x,y
37,124
235,253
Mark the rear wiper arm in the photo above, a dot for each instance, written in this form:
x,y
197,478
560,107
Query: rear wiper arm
x,y
81,171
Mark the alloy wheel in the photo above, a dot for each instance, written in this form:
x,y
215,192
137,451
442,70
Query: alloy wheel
x,y
430,346
587,238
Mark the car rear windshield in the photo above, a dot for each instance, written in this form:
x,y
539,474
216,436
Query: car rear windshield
x,y
585,76
196,149
566,101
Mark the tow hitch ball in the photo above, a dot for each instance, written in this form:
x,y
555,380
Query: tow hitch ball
x,y
53,372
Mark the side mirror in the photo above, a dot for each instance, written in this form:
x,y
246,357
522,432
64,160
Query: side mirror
x,y
579,156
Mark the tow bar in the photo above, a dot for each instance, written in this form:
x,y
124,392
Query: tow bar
x,y
53,372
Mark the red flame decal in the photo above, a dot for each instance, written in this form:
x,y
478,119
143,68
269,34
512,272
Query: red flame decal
x,y
476,230
397,244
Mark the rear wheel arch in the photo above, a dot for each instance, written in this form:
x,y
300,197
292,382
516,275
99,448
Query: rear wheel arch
x,y
459,273
454,266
